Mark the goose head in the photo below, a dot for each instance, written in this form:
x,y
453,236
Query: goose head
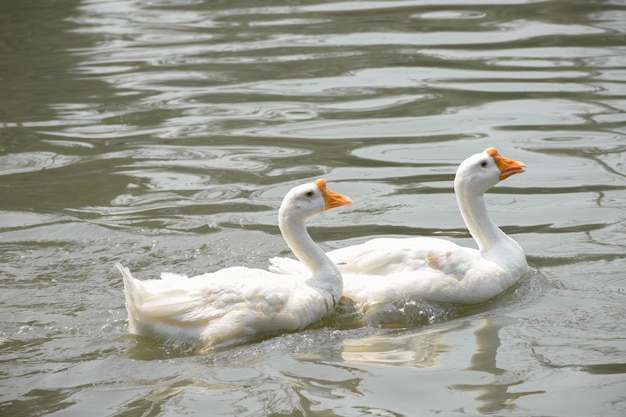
x,y
308,200
481,171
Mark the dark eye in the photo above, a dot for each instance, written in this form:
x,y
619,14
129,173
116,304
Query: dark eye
x,y
483,164
310,194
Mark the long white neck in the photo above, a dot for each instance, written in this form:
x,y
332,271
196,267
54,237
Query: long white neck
x,y
485,232
325,274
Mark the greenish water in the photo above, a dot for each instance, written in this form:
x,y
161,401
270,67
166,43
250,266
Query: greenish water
x,y
164,135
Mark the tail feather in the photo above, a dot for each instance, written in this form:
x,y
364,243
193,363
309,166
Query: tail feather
x,y
132,292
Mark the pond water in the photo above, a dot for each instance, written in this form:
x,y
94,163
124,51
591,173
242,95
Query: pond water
x,y
163,134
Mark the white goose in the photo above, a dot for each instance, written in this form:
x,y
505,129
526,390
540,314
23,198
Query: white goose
x,y
383,270
236,304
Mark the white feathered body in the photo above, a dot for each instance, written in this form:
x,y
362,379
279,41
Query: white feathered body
x,y
383,270
231,305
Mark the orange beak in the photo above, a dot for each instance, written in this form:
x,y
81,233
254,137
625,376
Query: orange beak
x,y
332,199
506,166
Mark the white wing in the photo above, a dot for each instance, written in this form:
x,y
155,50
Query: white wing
x,y
387,269
230,304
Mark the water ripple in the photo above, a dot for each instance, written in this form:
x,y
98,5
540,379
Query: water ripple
x,y
164,134
33,161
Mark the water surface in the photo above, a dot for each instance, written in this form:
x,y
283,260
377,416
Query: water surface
x,y
164,135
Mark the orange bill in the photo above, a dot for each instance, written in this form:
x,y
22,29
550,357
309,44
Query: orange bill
x,y
332,199
506,166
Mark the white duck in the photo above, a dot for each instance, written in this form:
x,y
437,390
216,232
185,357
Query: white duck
x,y
383,270
238,303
